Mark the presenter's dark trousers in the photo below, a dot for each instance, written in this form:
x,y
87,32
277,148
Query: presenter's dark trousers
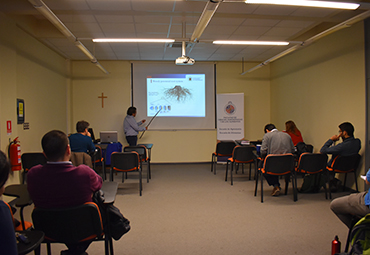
x,y
132,140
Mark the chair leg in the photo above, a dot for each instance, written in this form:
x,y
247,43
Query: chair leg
x,y
48,248
227,170
261,187
212,163
250,170
231,173
150,170
287,178
256,177
328,179
215,165
147,173
345,180
140,183
294,184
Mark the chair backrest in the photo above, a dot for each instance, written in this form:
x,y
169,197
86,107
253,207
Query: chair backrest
x,y
125,161
312,163
279,164
243,153
69,225
345,164
31,159
141,149
98,155
225,148
78,158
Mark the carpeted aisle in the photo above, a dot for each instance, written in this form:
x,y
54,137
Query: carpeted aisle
x,y
186,209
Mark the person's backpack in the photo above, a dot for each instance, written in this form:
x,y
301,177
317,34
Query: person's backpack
x,y
360,237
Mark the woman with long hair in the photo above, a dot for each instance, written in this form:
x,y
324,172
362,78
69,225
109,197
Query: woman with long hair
x,y
293,131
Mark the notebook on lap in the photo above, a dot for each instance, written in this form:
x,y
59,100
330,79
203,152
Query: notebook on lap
x,y
108,137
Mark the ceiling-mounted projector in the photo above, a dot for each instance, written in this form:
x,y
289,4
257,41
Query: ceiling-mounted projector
x,y
184,60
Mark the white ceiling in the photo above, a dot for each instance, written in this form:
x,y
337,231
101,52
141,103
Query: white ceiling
x,y
88,19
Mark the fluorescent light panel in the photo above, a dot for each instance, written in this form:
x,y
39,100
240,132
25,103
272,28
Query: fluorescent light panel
x,y
122,40
307,3
251,43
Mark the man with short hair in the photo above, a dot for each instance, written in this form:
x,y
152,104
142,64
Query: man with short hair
x,y
81,141
348,147
275,142
131,127
59,184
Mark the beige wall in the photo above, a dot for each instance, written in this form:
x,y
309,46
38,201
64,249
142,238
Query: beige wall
x,y
318,87
36,74
321,86
169,146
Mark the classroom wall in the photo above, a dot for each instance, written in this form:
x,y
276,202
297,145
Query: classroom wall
x,y
169,146
36,74
321,86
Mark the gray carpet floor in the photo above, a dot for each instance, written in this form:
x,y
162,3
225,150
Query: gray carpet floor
x,y
186,209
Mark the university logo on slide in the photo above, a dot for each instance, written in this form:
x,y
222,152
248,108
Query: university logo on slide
x,y
230,108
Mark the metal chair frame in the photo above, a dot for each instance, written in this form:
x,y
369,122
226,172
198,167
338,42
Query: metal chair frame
x,y
344,164
281,165
126,162
241,155
312,163
223,149
72,225
141,149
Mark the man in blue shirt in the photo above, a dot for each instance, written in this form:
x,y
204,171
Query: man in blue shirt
x,y
131,127
81,141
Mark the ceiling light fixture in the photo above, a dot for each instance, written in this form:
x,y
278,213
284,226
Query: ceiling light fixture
x,y
48,14
251,43
306,3
128,40
206,16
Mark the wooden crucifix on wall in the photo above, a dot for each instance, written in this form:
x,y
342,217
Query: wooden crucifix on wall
x,y
102,99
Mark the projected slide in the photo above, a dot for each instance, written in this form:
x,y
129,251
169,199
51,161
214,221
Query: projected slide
x,y
176,95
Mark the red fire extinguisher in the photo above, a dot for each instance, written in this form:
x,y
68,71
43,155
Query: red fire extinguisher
x,y
335,246
15,155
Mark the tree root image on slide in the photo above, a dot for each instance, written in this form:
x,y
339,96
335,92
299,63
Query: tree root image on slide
x,y
178,92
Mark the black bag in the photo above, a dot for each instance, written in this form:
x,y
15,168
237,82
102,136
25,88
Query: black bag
x,y
312,183
117,224
301,147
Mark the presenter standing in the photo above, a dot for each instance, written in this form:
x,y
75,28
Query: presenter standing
x,y
131,127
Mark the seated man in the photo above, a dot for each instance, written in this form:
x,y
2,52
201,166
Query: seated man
x,y
349,146
275,142
81,141
355,204
59,184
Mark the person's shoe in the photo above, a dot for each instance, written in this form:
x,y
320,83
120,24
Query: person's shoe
x,y
276,191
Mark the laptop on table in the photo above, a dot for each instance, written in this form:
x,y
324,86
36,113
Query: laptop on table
x,y
108,137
